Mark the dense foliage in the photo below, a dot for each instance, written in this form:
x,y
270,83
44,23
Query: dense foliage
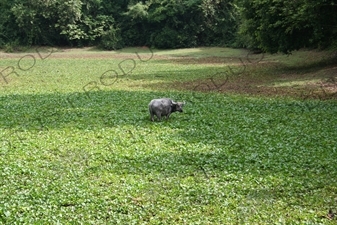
x,y
284,26
157,23
270,25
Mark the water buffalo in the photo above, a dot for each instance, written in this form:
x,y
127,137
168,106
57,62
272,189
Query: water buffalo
x,y
164,107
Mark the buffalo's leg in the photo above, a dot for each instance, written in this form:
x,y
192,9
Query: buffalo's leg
x,y
158,116
168,116
151,115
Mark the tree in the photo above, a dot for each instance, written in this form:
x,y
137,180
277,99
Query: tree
x,y
284,26
8,27
113,24
42,22
57,22
178,24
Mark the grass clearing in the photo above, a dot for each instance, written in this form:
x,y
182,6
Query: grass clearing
x,y
78,147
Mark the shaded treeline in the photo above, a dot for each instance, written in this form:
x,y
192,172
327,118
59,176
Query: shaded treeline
x,y
270,25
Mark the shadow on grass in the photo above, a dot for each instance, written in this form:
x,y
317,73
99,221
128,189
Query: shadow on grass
x,y
313,69
57,110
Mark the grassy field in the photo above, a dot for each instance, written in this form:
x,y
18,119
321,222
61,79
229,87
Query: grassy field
x,y
256,143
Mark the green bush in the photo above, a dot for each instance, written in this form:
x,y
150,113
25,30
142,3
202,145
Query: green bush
x,y
111,40
172,38
13,46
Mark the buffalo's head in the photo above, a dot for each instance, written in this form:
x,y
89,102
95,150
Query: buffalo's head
x,y
177,106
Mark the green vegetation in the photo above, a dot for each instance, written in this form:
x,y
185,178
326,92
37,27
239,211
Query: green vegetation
x,y
77,145
113,25
282,26
264,25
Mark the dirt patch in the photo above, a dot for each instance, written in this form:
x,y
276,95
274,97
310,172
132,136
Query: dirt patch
x,y
303,86
319,90
205,60
141,53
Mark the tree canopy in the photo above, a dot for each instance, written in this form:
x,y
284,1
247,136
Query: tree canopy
x,y
284,26
270,25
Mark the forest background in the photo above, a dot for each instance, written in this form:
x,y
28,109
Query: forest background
x,y
267,25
